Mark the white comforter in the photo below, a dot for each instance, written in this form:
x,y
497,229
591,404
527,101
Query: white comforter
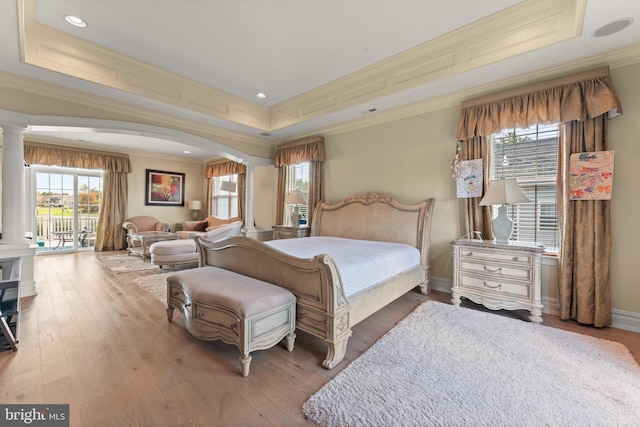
x,y
362,263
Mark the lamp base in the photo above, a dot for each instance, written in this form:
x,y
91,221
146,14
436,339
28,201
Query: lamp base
x,y
295,217
502,225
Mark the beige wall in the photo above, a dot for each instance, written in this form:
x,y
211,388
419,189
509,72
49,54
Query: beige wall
x,y
409,159
194,186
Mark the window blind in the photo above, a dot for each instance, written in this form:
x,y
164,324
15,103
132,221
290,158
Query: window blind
x,y
531,156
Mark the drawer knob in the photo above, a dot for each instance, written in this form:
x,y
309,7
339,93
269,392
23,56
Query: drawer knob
x,y
200,314
515,258
499,286
187,305
233,326
498,270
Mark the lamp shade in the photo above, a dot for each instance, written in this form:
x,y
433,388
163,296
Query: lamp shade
x,y
503,191
228,186
295,197
194,205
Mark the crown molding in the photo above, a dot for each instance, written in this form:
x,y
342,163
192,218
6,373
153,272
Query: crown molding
x,y
524,27
618,58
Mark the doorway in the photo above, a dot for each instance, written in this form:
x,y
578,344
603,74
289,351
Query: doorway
x,y
68,203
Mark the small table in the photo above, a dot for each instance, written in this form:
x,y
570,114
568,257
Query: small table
x,y
63,237
498,275
140,242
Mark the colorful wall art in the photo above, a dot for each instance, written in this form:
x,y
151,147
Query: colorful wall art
x,y
469,179
591,175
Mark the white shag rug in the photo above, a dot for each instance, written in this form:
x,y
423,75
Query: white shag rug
x,y
156,285
126,263
449,366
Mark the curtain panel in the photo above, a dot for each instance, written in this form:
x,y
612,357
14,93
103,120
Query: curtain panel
x,y
302,150
582,103
223,168
109,234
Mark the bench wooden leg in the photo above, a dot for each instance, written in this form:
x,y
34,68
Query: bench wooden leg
x,y
170,308
245,361
291,339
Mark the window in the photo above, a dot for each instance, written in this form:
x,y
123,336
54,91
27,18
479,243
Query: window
x,y
531,156
298,179
224,203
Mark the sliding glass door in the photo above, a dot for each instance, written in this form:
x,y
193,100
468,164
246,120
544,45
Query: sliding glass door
x,y
68,203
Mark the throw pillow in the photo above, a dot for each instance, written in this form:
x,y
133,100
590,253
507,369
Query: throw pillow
x,y
201,226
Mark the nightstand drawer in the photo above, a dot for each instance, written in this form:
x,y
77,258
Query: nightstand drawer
x,y
520,258
497,286
495,272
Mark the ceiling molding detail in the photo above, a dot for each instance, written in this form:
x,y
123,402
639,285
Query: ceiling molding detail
x,y
527,26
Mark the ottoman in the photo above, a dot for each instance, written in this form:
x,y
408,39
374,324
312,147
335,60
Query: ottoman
x,y
239,310
174,252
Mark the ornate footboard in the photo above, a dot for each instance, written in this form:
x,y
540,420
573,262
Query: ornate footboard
x,y
322,307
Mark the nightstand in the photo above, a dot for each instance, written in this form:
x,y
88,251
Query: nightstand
x,y
284,232
498,275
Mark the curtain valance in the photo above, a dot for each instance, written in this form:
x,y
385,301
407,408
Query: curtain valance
x,y
223,168
302,150
71,157
576,97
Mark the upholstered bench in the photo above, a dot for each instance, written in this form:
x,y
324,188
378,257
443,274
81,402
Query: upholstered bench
x,y
239,310
174,252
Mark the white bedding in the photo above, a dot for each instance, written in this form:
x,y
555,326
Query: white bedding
x,y
362,263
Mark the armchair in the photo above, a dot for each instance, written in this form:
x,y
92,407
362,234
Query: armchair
x,y
138,224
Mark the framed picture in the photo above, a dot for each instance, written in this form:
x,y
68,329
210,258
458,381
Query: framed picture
x,y
164,188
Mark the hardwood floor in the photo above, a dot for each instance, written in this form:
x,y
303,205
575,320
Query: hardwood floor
x,y
93,339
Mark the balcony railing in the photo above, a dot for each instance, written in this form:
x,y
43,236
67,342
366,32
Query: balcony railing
x,y
57,232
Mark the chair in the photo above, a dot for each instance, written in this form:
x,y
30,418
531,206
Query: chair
x,y
139,224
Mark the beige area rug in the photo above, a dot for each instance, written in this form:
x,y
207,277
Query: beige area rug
x,y
126,263
448,366
156,285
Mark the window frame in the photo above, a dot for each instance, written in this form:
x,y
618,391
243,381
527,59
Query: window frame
x,y
232,205
540,185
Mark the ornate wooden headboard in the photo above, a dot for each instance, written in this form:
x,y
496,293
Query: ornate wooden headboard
x,y
372,216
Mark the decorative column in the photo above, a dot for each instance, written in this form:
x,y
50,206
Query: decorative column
x,y
249,202
13,243
13,218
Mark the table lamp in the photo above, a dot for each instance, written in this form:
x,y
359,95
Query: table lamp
x,y
295,198
503,192
194,206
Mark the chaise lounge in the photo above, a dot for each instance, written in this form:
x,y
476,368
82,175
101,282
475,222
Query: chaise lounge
x,y
184,251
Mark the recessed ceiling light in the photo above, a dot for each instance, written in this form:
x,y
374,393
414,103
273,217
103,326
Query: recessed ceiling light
x,y
74,20
261,95
612,27
187,152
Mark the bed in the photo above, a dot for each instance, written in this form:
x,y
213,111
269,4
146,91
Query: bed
x,y
324,309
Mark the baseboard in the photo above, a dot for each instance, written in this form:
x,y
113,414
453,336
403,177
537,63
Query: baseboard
x,y
627,320
28,288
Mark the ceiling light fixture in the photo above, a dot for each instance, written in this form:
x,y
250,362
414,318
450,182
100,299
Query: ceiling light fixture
x,y
261,95
187,152
612,27
74,20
